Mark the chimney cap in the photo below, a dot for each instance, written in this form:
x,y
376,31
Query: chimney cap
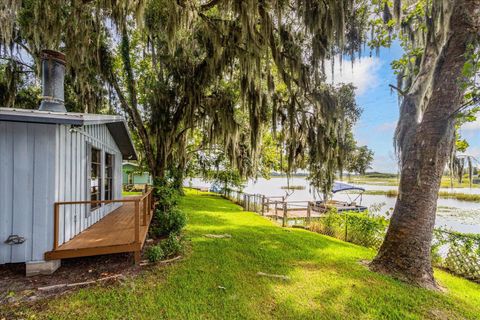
x,y
52,54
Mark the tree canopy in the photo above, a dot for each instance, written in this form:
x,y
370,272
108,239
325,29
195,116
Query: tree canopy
x,y
226,68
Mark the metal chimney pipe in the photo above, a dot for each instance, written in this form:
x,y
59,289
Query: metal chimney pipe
x,y
53,74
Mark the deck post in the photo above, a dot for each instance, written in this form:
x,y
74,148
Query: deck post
x,y
56,214
137,221
263,205
346,226
284,223
152,201
309,213
148,205
144,211
276,208
137,257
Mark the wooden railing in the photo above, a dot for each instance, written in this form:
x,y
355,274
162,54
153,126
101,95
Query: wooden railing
x,y
143,206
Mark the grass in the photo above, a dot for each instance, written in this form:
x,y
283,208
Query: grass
x,y
441,194
392,180
130,193
292,187
217,279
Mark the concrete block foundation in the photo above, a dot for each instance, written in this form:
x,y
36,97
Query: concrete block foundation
x,y
35,268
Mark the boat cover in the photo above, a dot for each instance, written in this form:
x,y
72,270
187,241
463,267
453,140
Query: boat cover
x,y
340,186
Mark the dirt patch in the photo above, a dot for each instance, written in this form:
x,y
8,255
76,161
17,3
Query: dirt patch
x,y
15,287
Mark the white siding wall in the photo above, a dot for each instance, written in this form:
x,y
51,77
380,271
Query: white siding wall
x,y
72,174
41,164
27,188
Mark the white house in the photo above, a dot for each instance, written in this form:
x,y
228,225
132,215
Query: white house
x,y
48,156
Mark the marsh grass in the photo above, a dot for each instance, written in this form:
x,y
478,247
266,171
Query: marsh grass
x,y
292,187
442,194
393,180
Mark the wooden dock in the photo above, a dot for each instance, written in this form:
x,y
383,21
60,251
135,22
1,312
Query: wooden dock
x,y
279,208
123,230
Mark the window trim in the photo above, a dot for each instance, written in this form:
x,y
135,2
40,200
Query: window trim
x,y
90,164
109,187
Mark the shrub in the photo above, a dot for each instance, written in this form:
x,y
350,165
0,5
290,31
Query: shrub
x,y
169,222
173,245
366,230
167,196
155,253
359,228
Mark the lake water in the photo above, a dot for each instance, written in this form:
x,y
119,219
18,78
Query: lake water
x,y
463,216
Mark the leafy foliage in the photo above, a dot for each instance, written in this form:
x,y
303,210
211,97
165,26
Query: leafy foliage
x,y
224,68
169,222
173,245
360,228
155,253
360,160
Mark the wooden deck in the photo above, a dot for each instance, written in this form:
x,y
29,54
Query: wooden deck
x,y
123,230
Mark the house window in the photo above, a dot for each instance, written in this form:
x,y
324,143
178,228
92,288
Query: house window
x,y
109,176
95,177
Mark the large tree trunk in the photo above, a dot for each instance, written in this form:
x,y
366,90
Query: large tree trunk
x,y
426,144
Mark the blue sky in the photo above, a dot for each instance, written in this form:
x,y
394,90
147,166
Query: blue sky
x,y
372,75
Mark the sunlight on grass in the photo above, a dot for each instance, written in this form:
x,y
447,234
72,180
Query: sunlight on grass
x,y
218,278
130,193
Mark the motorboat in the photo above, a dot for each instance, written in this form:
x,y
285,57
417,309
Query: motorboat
x,y
354,202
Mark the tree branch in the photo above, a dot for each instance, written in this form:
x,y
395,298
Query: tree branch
x,y
209,5
403,93
18,62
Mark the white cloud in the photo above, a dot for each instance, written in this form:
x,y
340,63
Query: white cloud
x,y
386,127
474,152
472,126
385,163
363,73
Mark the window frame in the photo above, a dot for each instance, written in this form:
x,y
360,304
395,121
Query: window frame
x,y
99,178
109,177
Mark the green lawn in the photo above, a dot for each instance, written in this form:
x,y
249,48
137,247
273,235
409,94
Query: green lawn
x,y
130,193
327,280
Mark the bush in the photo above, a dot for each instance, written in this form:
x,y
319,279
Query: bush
x,y
169,222
366,230
155,253
359,228
167,198
173,245
167,195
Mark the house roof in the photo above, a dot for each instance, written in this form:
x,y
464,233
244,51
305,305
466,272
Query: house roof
x,y
115,124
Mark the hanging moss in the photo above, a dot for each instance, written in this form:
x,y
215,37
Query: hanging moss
x,y
274,50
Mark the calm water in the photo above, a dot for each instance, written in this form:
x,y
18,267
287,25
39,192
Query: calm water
x,y
463,216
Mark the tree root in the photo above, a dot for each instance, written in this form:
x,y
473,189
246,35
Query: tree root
x,y
426,282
